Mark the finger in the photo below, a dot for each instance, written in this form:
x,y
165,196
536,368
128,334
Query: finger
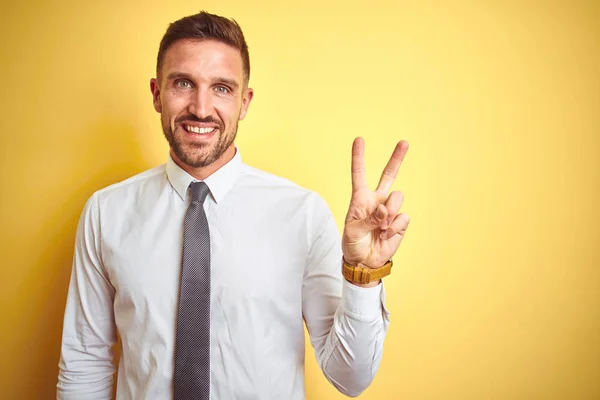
x,y
398,226
393,205
393,166
376,219
359,177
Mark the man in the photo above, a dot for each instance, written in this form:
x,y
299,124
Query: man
x,y
207,268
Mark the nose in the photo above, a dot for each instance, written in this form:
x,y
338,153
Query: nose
x,y
201,104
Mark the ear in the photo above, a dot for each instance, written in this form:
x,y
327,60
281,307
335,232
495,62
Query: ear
x,y
155,89
246,99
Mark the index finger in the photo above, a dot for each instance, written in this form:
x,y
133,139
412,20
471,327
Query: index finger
x,y
359,177
393,166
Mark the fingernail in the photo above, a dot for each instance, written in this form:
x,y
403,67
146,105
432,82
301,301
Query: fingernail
x,y
379,213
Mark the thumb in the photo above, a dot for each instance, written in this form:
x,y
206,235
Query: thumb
x,y
377,217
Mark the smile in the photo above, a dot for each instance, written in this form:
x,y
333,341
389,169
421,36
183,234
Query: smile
x,y
196,129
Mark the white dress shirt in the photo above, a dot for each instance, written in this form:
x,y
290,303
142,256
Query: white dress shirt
x,y
275,260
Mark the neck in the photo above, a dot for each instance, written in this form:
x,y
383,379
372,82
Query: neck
x,y
201,173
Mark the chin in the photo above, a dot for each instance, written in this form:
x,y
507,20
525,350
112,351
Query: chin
x,y
198,160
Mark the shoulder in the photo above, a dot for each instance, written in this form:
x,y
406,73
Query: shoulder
x,y
252,176
261,182
282,193
132,186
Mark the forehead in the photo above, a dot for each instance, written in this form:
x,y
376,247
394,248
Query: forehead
x,y
203,58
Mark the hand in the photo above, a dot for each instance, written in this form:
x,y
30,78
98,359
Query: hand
x,y
374,229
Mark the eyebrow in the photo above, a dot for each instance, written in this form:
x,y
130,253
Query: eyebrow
x,y
183,75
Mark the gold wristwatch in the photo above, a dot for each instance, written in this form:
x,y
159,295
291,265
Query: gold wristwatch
x,y
357,274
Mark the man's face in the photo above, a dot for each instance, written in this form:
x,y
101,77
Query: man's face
x,y
201,96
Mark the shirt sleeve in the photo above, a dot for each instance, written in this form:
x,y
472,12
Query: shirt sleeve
x,y
347,324
86,367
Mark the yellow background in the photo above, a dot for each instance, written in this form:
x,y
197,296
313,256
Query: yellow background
x,y
495,293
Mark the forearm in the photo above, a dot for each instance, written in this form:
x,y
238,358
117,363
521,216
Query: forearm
x,y
95,384
86,367
354,346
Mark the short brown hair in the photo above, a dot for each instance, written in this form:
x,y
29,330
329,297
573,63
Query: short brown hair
x,y
205,26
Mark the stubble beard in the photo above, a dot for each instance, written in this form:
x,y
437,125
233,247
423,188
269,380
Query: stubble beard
x,y
199,156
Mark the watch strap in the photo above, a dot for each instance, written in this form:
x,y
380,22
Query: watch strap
x,y
358,274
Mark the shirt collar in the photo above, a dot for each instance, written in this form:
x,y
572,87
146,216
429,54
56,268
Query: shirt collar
x,y
219,183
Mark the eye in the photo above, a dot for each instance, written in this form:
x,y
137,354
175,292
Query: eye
x,y
222,89
184,84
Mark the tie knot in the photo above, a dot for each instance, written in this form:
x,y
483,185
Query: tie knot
x,y
199,191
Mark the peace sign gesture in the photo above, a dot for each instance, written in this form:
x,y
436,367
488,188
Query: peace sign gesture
x,y
374,229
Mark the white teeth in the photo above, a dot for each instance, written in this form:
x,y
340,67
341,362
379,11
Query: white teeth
x,y
195,129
